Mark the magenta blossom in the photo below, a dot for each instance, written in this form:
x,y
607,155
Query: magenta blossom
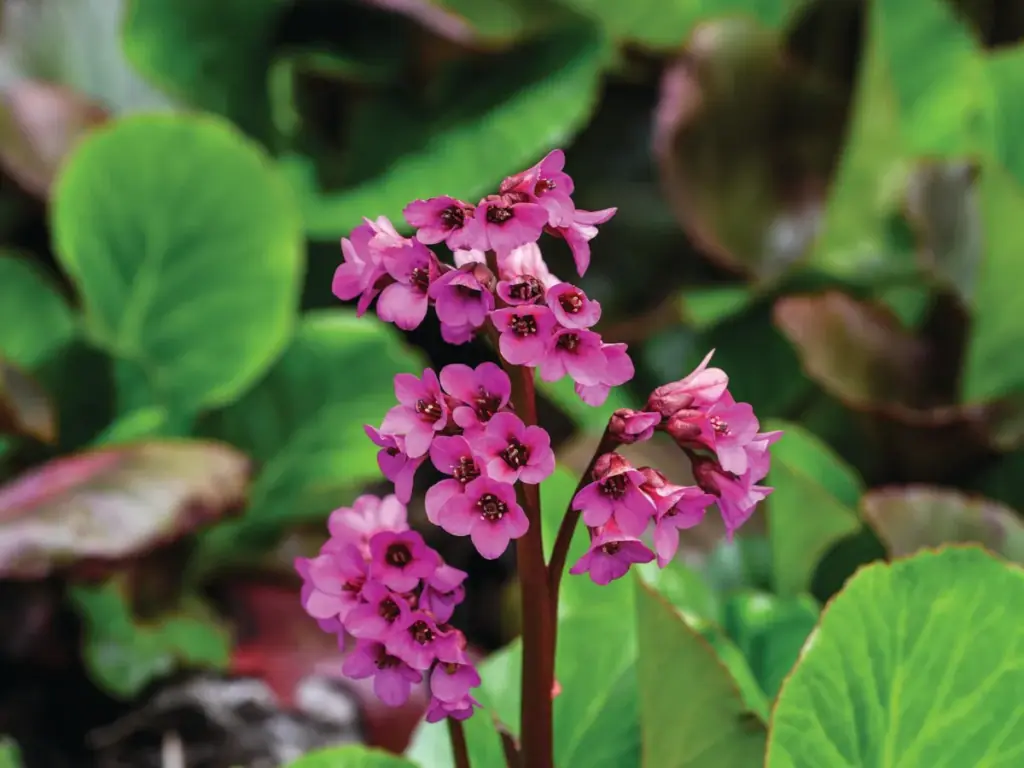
x,y
700,388
414,640
400,560
629,426
457,335
525,332
461,299
520,289
575,352
422,411
525,260
450,682
453,456
337,578
611,555
442,592
441,219
392,678
736,496
690,505
617,495
728,429
482,392
367,516
362,267
515,452
618,370
571,306
393,462
580,231
375,618
462,709
332,625
758,457
405,301
507,222
548,185
488,513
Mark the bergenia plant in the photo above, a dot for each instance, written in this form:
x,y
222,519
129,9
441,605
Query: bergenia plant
x,y
376,584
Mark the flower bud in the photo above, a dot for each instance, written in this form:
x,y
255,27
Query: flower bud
x,y
628,426
609,464
706,473
483,275
669,398
653,479
684,426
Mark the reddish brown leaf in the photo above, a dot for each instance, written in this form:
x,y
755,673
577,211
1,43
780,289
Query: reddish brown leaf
x,y
25,408
39,124
910,518
111,504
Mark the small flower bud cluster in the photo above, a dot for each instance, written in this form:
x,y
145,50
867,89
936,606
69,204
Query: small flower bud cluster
x,y
461,420
379,582
728,456
497,277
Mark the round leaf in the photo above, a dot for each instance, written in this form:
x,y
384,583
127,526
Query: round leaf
x,y
186,249
351,757
24,293
914,663
114,503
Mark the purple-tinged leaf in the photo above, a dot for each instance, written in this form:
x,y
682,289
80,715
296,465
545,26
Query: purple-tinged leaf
x,y
25,408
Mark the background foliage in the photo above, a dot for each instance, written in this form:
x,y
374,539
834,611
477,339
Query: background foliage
x,y
827,193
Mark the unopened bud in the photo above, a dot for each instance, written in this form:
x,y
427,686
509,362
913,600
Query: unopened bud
x,y
483,275
684,425
628,426
668,399
609,464
705,473
653,479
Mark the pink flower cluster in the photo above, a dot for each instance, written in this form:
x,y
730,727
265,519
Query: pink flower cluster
x,y
497,281
461,420
379,582
728,455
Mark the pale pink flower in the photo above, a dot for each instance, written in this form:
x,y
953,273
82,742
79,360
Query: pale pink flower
x,y
617,494
421,413
441,219
378,615
481,392
575,352
618,370
514,452
400,561
525,332
367,516
525,260
580,231
453,456
611,555
461,299
394,463
688,509
700,388
405,301
335,582
392,678
548,184
571,306
502,223
414,640
442,591
488,513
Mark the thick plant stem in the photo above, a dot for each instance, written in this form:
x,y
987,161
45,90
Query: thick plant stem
x,y
568,526
458,739
537,734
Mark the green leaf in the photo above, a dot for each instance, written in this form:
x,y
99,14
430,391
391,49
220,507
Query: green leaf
x,y
589,420
192,269
10,755
431,744
686,589
704,308
547,93
813,506
691,712
910,667
25,293
351,757
214,57
123,654
770,631
304,424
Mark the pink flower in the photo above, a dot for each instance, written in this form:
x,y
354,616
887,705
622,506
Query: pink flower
x,y
629,426
375,618
400,560
392,678
405,301
393,462
520,289
618,370
758,458
737,496
515,452
482,392
457,335
413,640
506,222
548,185
453,456
488,513
580,231
450,682
524,333
362,267
728,431
571,306
442,592
610,556
688,509
525,260
700,388
462,709
367,516
441,218
616,495
337,578
422,412
577,353
461,299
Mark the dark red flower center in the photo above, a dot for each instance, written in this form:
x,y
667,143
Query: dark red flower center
x,y
398,555
499,214
611,548
571,301
466,470
453,217
515,196
544,185
388,610
523,325
466,292
429,409
568,341
421,632
615,486
485,404
451,668
420,279
353,585
721,426
515,454
385,660
528,289
491,507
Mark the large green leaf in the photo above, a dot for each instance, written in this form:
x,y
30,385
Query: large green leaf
x,y
544,94
10,755
351,757
813,506
187,250
213,56
691,712
304,423
918,663
35,321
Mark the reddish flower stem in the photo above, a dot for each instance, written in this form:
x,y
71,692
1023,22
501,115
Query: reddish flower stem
x,y
458,739
568,526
